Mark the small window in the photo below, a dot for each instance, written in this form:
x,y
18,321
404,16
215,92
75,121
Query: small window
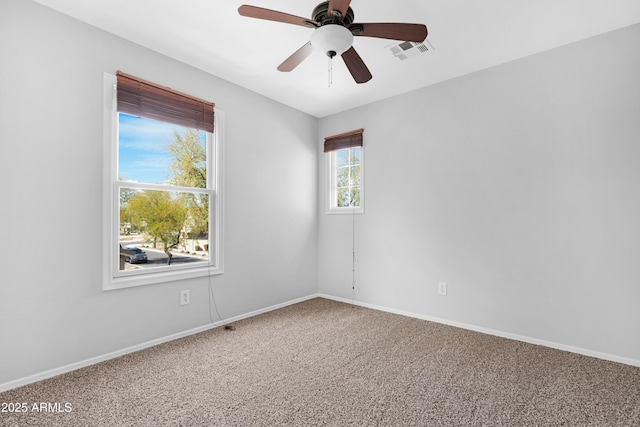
x,y
346,165
164,192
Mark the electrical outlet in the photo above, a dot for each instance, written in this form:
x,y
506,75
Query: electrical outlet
x,y
442,288
184,298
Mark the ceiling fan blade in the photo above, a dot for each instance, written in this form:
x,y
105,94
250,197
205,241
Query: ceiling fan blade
x,y
274,15
356,66
340,5
390,30
294,60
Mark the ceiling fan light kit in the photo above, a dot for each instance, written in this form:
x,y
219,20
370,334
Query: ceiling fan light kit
x,y
334,30
331,39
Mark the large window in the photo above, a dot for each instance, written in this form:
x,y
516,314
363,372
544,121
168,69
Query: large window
x,y
345,170
164,186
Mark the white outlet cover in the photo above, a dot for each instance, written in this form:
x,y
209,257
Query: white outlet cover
x,y
442,288
184,298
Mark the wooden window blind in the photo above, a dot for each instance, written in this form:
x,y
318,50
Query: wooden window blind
x,y
142,98
343,140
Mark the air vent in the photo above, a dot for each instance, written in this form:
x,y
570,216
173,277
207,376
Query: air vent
x,y
405,50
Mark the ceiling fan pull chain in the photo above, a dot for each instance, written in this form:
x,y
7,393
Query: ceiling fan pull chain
x,y
331,54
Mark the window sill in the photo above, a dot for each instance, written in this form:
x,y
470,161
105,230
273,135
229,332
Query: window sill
x,y
345,211
123,282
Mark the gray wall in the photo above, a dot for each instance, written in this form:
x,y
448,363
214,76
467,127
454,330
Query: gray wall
x,y
53,311
519,186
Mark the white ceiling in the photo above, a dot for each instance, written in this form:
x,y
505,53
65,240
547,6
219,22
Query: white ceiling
x,y
468,35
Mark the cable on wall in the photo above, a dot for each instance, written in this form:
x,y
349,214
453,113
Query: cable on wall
x,y
212,299
353,251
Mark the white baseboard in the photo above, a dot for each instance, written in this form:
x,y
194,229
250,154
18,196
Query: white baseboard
x,y
94,360
550,344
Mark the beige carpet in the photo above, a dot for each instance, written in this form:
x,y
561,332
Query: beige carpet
x,y
326,363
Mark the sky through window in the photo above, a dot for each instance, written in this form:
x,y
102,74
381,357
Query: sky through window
x,y
142,149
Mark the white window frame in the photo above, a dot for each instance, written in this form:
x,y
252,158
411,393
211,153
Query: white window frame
x,y
332,208
113,277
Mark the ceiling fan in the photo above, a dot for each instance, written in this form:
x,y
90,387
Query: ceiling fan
x,y
334,29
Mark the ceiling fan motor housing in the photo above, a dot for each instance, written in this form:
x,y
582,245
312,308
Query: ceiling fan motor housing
x,y
323,16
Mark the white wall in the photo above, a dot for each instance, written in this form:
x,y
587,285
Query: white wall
x,y
519,186
53,311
